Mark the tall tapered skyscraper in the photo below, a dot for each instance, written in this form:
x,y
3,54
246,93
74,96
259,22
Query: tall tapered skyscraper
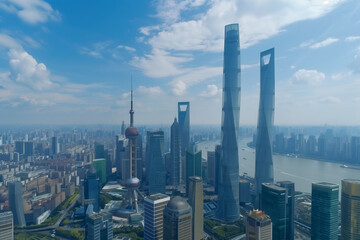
x,y
228,203
184,122
16,203
264,172
175,154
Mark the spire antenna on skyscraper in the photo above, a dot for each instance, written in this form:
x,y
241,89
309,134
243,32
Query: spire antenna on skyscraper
x,y
132,106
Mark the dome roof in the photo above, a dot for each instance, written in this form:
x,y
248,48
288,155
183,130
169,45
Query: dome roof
x,y
132,182
131,132
178,204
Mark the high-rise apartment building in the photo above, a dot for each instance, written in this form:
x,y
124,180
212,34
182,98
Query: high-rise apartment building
x,y
273,203
6,226
290,207
153,216
184,123
156,172
193,166
196,201
324,211
16,203
99,226
258,226
264,172
178,220
228,200
175,154
350,209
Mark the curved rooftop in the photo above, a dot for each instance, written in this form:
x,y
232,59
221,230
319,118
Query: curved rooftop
x,y
131,132
178,205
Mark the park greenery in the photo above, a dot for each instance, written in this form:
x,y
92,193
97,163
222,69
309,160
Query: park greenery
x,y
136,233
73,234
224,231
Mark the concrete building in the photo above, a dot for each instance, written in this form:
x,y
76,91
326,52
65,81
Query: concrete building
x,y
178,220
258,226
99,226
324,211
350,209
264,172
6,226
153,211
196,201
228,203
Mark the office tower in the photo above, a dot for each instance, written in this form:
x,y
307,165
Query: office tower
x,y
153,216
99,226
177,220
244,191
6,226
193,166
196,201
211,167
100,167
184,123
108,158
54,145
91,189
290,208
99,151
264,172
156,162
273,203
20,147
350,209
228,201
119,155
217,167
324,211
258,226
29,149
122,128
139,157
16,203
175,154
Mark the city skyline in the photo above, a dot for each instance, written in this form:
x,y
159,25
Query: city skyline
x,y
48,71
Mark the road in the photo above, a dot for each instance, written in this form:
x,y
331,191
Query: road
x,y
56,225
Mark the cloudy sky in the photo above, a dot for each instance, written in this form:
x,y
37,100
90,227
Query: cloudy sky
x,y
70,62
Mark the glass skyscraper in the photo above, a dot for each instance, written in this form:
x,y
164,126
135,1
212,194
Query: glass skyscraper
x,y
264,172
228,201
193,166
16,203
184,122
175,154
324,211
350,209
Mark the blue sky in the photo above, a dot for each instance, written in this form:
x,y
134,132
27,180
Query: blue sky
x,y
70,62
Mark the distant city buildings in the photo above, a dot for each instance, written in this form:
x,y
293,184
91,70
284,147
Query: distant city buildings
x,y
324,211
154,216
258,226
6,226
178,220
228,184
350,209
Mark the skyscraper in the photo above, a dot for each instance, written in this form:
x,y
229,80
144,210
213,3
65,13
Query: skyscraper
x,y
211,167
99,226
258,226
16,203
177,220
175,154
156,172
54,145
100,167
228,203
91,189
119,155
264,172
350,209
290,207
6,226
273,203
196,200
324,211
193,167
184,122
154,211
217,167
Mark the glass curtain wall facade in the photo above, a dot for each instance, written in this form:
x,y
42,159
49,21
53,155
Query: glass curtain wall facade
x,y
228,203
175,154
16,203
184,122
350,209
264,172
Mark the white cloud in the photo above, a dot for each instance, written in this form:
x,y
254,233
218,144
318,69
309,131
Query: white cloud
x,y
28,71
150,91
324,43
310,77
31,11
211,91
330,99
352,38
8,42
130,49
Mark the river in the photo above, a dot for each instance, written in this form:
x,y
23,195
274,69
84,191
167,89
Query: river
x,y
301,171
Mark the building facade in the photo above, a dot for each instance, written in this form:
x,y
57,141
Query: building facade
x,y
324,211
184,123
228,203
153,216
258,226
178,220
196,201
193,166
264,172
6,226
350,209
290,208
16,203
175,154
99,226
